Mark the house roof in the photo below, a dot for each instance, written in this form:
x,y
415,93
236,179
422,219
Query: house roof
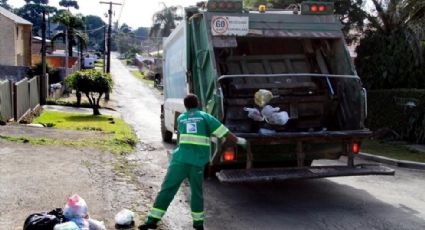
x,y
14,17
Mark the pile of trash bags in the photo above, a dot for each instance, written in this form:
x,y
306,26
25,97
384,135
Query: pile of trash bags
x,y
271,115
74,216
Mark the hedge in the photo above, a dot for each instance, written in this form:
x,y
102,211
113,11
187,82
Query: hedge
x,y
390,109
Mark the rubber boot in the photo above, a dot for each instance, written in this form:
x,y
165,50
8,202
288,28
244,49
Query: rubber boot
x,y
150,224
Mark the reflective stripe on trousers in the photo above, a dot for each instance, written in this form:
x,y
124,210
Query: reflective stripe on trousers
x,y
156,213
198,216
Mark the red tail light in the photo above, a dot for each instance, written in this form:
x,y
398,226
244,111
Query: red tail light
x,y
355,148
322,8
314,8
212,5
229,154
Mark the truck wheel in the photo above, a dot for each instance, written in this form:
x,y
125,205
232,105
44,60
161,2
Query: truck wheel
x,y
167,136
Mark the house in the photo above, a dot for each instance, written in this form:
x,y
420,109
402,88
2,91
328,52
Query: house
x,y
15,37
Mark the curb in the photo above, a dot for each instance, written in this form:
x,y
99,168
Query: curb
x,y
393,162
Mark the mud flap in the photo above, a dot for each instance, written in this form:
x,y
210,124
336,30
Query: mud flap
x,y
281,174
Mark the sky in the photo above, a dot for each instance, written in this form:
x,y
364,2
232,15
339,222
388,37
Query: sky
x,y
135,13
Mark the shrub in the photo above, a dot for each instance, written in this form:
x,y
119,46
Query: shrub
x,y
93,83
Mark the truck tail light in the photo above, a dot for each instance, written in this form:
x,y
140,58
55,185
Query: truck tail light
x,y
224,5
355,147
229,154
316,7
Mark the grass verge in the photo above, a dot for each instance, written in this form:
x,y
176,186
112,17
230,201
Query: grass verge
x,y
395,151
140,76
121,138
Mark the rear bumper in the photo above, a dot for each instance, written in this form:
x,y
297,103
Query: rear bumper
x,y
282,174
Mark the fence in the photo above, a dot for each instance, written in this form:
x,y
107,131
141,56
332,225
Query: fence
x,y
34,92
21,99
18,99
6,101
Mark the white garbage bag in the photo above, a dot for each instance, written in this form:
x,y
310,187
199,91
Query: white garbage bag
x,y
268,111
124,217
279,118
273,116
254,114
66,226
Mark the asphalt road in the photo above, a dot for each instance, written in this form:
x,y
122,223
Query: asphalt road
x,y
367,202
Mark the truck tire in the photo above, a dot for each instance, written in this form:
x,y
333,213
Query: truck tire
x,y
167,136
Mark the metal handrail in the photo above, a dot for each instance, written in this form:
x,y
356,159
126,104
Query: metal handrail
x,y
289,75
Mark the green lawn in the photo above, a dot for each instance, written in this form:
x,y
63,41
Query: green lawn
x,y
396,151
121,140
140,76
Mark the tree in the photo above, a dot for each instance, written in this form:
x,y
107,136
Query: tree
x,y
3,3
73,25
33,10
95,26
69,3
164,21
93,83
391,54
141,33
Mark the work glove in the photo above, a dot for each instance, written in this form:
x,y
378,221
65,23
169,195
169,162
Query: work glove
x,y
242,142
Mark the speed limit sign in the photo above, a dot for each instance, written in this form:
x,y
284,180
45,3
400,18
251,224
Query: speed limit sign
x,y
229,26
219,25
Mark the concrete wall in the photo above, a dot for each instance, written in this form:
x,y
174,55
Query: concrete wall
x,y
7,41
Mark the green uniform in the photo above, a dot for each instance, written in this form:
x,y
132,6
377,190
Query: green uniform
x,y
188,161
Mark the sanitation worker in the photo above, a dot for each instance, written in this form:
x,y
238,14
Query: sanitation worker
x,y
188,161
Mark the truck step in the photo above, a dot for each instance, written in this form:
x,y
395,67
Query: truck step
x,y
281,174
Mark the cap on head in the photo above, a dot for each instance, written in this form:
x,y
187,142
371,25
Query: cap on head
x,y
191,101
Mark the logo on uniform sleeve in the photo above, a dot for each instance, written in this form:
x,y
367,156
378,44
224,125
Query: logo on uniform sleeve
x,y
191,128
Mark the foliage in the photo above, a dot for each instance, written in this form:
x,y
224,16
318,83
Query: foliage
x,y
69,3
72,23
54,74
32,11
126,42
3,3
387,106
93,25
93,83
164,21
391,55
385,61
141,33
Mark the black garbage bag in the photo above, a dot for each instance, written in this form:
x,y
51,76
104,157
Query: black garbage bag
x,y
44,220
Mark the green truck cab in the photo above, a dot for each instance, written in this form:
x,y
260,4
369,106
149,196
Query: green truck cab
x,y
225,54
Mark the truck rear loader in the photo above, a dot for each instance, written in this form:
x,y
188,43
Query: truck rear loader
x,y
224,54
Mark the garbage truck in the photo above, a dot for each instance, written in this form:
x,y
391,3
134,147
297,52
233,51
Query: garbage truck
x,y
225,54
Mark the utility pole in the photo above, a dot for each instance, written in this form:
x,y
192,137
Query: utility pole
x,y
104,49
43,77
108,66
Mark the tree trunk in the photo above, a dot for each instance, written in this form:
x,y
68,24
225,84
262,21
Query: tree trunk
x,y
96,111
78,94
